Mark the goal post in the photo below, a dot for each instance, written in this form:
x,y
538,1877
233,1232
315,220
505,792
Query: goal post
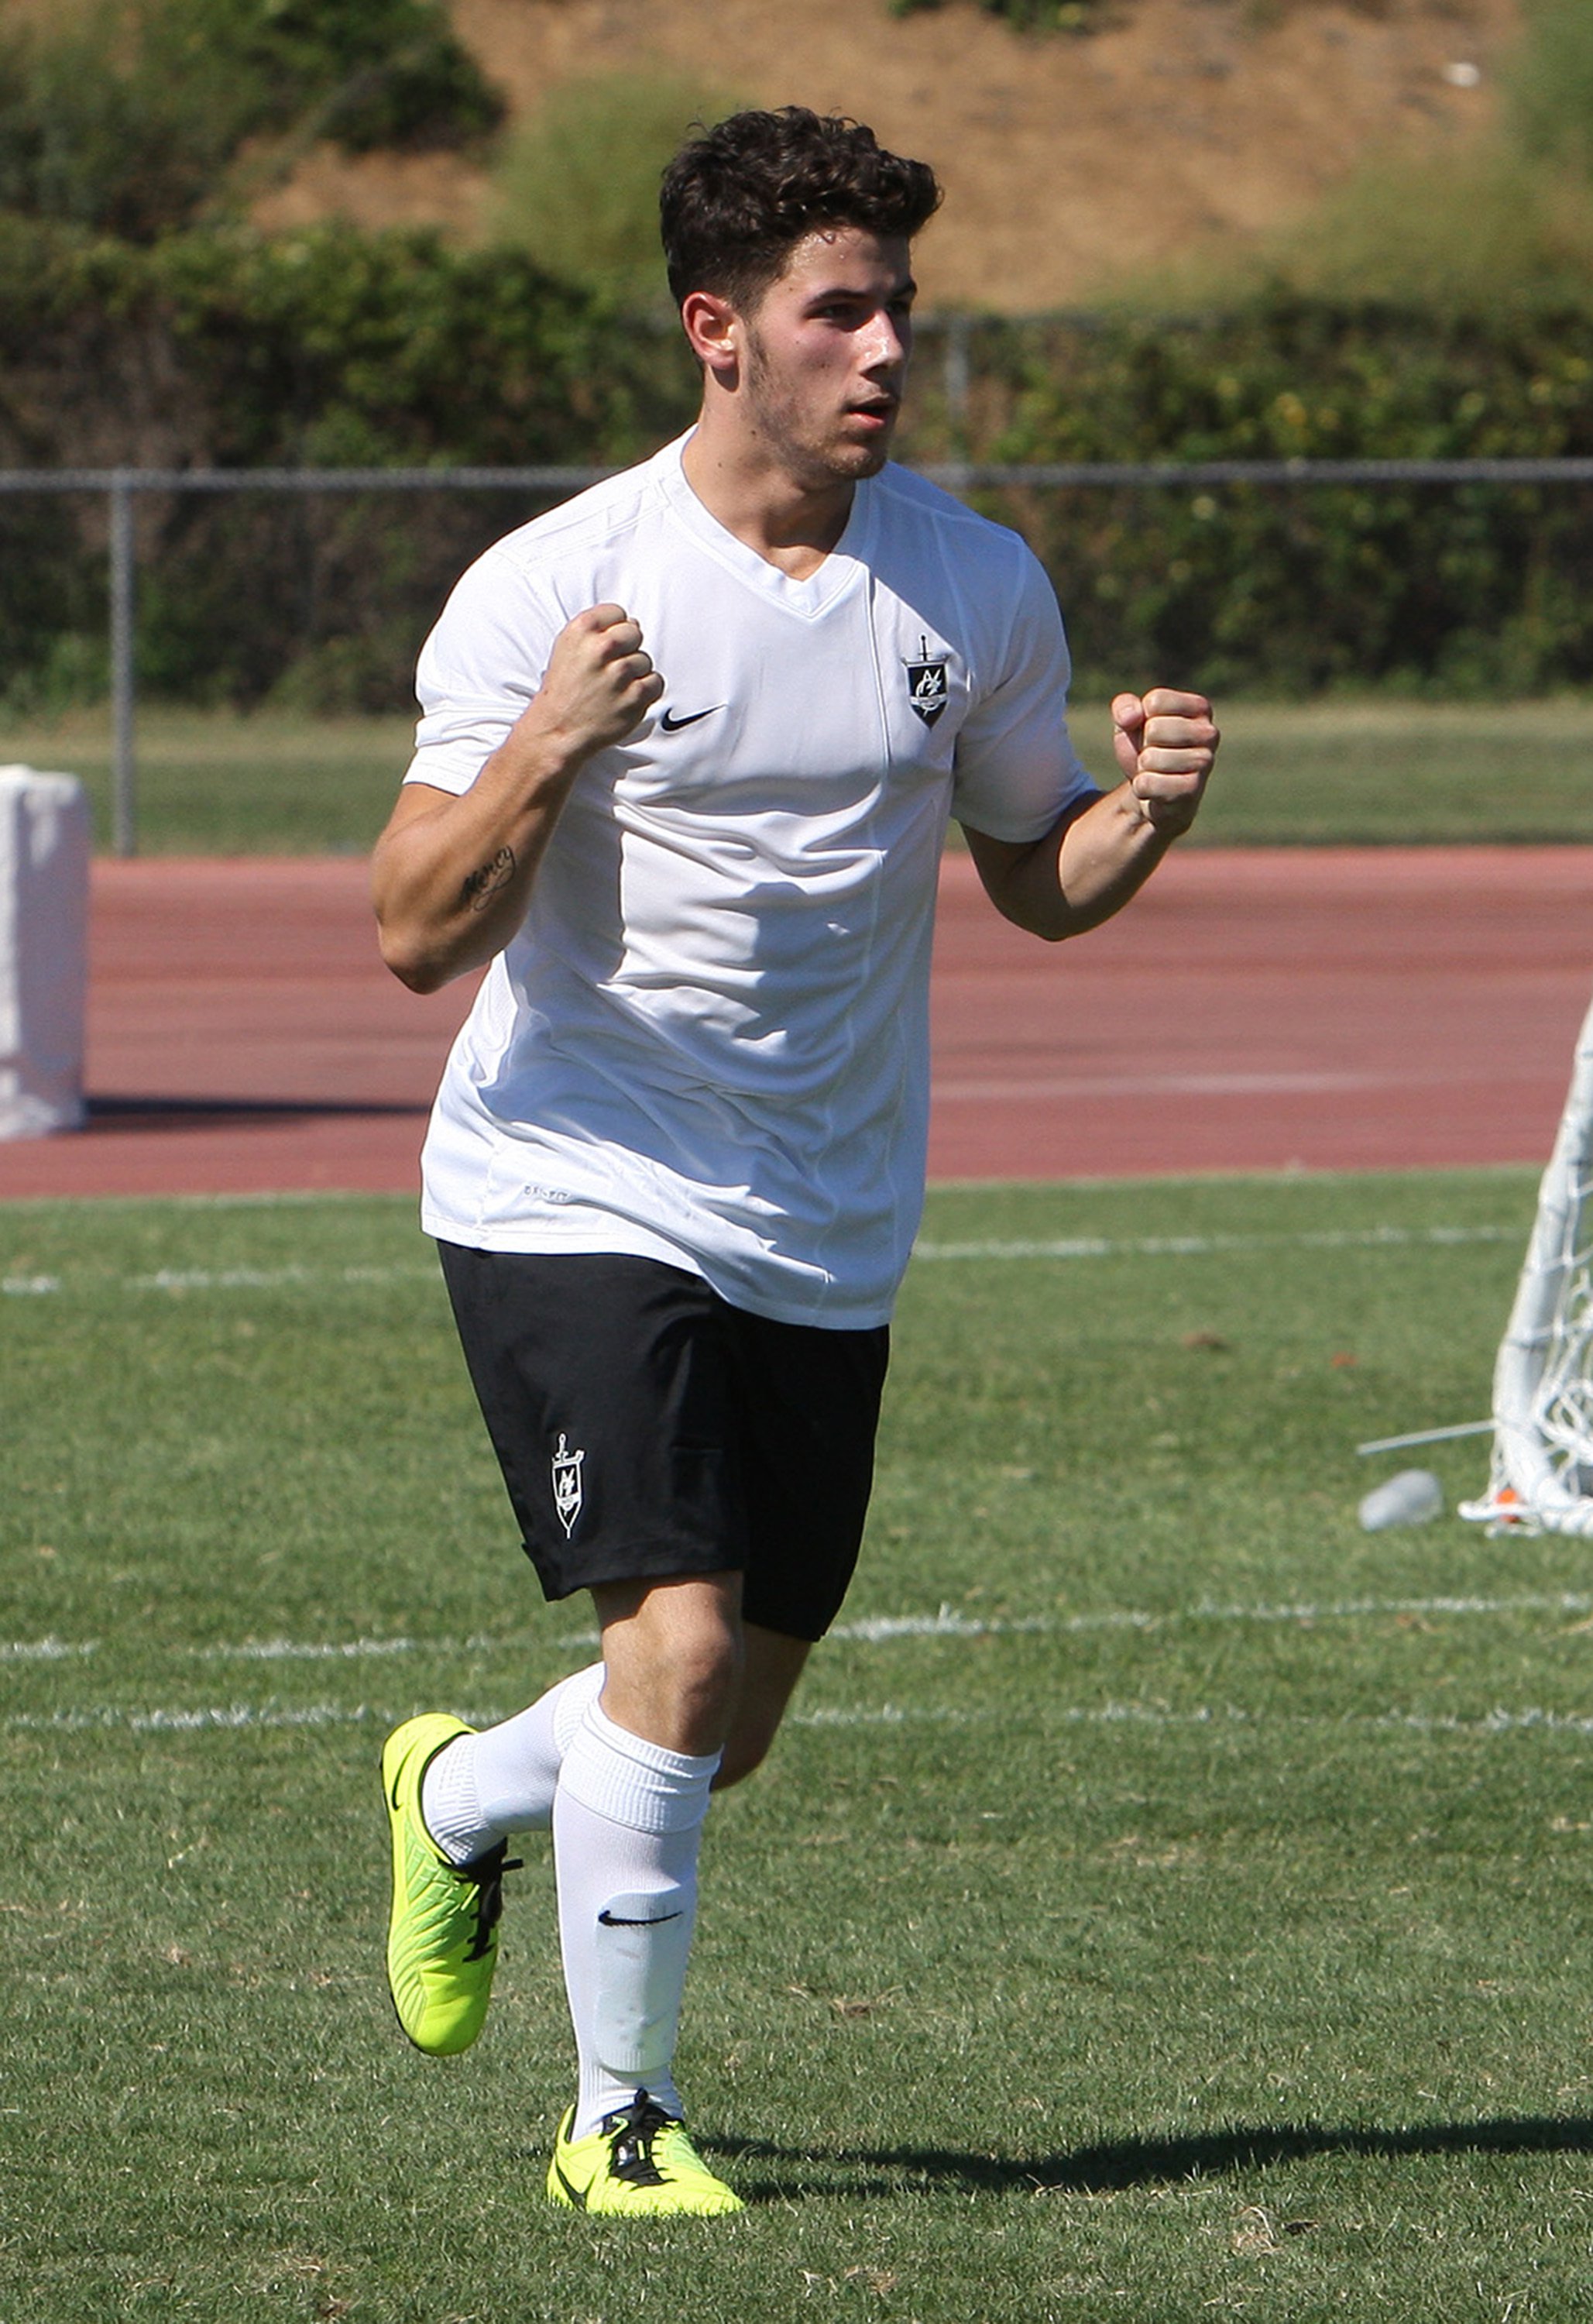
x,y
1541,1473
45,847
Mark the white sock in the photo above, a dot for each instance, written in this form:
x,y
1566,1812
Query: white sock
x,y
627,1820
482,1788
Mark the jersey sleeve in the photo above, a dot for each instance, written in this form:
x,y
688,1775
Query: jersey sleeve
x,y
478,669
1016,769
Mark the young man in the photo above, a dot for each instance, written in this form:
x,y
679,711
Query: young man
x,y
689,749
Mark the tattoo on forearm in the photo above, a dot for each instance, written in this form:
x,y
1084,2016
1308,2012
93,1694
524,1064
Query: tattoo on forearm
x,y
488,881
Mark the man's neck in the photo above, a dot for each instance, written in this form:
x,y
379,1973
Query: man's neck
x,y
792,524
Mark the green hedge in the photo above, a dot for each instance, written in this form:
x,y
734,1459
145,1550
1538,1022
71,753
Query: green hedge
x,y
325,348
1468,588
228,349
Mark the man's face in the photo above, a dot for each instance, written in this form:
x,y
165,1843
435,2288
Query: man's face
x,y
827,347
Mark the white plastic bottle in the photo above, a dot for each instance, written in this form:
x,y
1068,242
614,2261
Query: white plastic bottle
x,y
1411,1498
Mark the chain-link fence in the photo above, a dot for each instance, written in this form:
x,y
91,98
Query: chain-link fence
x,y
1029,495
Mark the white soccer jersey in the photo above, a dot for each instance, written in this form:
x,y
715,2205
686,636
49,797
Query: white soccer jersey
x,y
708,1042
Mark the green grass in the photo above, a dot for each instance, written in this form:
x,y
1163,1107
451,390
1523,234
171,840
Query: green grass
x,y
1364,772
1192,1922
1398,773
214,783
1345,772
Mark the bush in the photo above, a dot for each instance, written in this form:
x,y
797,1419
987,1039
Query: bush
x,y
329,347
1469,588
227,349
124,116
577,182
1023,15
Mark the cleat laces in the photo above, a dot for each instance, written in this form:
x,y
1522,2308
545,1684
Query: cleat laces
x,y
486,1873
631,2134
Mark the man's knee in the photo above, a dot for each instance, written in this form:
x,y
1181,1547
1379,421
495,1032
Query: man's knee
x,y
700,1667
673,1653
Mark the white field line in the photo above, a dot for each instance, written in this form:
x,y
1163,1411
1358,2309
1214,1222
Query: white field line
x,y
230,1716
1202,1246
1063,1247
236,1717
222,1278
272,1278
295,1650
870,1630
882,1629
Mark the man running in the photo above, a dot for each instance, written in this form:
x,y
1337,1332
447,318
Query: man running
x,y
689,749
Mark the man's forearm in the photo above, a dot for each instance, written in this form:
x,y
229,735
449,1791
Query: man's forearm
x,y
1080,874
452,877
1090,862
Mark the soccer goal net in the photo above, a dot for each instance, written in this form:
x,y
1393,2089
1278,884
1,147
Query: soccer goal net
x,y
1541,1477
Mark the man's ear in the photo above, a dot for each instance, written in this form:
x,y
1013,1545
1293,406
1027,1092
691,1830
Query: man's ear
x,y
713,331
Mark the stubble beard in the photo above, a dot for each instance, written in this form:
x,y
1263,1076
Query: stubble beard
x,y
774,414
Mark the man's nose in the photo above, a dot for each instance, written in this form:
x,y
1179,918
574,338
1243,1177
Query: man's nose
x,y
890,342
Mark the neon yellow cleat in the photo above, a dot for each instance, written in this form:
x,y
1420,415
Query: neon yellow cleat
x,y
640,2165
442,1939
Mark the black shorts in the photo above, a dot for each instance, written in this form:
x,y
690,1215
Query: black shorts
x,y
647,1429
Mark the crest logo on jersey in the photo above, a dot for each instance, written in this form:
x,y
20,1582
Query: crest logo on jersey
x,y
568,1496
928,689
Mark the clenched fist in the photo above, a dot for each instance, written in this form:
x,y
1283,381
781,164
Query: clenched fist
x,y
598,684
1165,743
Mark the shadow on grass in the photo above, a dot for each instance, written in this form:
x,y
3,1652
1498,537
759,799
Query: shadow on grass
x,y
236,1112
1137,2162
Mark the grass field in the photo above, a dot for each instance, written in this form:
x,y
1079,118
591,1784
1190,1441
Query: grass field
x,y
1168,1900
1313,773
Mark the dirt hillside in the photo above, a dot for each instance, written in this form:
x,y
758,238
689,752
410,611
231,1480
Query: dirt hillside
x,y
1065,158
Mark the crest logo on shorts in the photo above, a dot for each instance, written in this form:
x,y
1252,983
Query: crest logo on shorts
x,y
927,689
568,1496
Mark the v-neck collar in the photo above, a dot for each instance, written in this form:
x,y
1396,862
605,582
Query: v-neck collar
x,y
808,598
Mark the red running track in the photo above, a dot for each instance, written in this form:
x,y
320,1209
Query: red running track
x,y
1318,1008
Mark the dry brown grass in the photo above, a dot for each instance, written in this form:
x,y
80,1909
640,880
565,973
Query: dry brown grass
x,y
1069,162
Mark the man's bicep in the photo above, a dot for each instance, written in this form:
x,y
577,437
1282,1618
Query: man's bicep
x,y
478,670
1016,768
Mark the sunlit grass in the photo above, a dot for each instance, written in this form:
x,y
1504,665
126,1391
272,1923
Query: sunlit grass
x,y
1375,769
1168,1899
1466,228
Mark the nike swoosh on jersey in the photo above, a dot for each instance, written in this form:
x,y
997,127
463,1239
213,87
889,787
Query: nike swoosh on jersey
x,y
612,1921
672,725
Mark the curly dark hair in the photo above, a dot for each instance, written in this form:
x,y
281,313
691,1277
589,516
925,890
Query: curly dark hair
x,y
736,200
